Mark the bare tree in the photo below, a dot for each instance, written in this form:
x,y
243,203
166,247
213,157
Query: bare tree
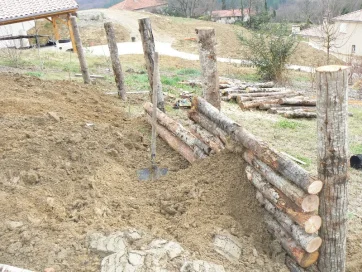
x,y
192,8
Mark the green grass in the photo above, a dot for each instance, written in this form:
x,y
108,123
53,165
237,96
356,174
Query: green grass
x,y
188,72
356,148
287,124
35,74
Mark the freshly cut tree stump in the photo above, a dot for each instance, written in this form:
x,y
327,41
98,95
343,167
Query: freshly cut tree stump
x,y
309,242
175,142
176,128
306,202
286,167
303,258
309,221
208,125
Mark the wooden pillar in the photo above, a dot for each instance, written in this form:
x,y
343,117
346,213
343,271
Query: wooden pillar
x,y
80,51
332,100
55,28
148,43
210,77
71,33
116,64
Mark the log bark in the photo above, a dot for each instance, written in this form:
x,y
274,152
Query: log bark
x,y
303,258
210,77
207,124
308,221
148,44
286,167
80,51
308,203
175,142
281,108
263,94
179,131
298,114
297,102
269,84
212,141
332,115
116,64
309,242
257,103
265,90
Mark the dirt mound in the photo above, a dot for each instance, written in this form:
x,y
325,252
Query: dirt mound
x,y
69,158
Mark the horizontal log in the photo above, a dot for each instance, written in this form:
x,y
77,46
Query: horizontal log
x,y
286,167
175,142
298,102
309,242
282,108
298,114
214,142
180,131
265,90
308,221
303,258
256,103
263,94
269,84
207,124
308,203
294,267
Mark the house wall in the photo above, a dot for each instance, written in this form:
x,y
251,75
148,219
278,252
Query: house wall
x,y
352,36
15,30
230,20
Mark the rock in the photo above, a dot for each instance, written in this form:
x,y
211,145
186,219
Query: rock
x,y
255,252
8,268
228,246
132,235
12,225
173,249
136,258
54,116
30,177
201,266
107,244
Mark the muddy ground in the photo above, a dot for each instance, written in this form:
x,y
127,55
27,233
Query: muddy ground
x,y
69,158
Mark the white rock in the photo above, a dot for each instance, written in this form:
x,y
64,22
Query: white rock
x,y
132,235
228,246
173,250
8,268
107,244
136,258
201,266
54,115
115,262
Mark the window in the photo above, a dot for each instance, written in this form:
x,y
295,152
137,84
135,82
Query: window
x,y
343,28
353,48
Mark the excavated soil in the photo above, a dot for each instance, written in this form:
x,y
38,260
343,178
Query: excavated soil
x,y
69,160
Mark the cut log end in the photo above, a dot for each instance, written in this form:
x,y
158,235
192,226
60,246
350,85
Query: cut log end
x,y
331,68
309,259
315,187
313,224
310,203
314,245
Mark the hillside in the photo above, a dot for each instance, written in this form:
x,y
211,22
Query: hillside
x,y
91,4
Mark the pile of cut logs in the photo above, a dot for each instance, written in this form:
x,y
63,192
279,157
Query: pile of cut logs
x,y
287,192
265,96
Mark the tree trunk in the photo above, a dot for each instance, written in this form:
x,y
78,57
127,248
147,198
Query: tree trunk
x,y
332,113
309,242
297,102
309,221
289,169
148,44
80,51
308,203
207,124
116,64
210,77
303,258
178,130
175,142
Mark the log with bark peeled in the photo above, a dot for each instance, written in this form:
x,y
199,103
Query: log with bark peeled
x,y
298,114
308,203
309,242
289,169
256,103
303,258
309,221
175,142
176,128
207,124
298,102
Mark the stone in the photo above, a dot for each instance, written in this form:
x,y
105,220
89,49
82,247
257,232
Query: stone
x,y
12,225
228,246
107,244
132,235
173,249
4,267
136,258
201,266
54,116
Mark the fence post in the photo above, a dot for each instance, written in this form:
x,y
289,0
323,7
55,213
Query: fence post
x,y
332,101
116,64
210,77
80,51
148,43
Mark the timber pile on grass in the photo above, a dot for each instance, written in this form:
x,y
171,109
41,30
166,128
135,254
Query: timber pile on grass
x,y
265,96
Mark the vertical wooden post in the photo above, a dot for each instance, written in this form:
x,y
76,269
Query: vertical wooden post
x,y
55,28
148,43
116,64
71,33
81,55
332,100
210,77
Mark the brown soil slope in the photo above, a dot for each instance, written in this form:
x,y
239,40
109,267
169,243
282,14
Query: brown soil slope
x,y
63,178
